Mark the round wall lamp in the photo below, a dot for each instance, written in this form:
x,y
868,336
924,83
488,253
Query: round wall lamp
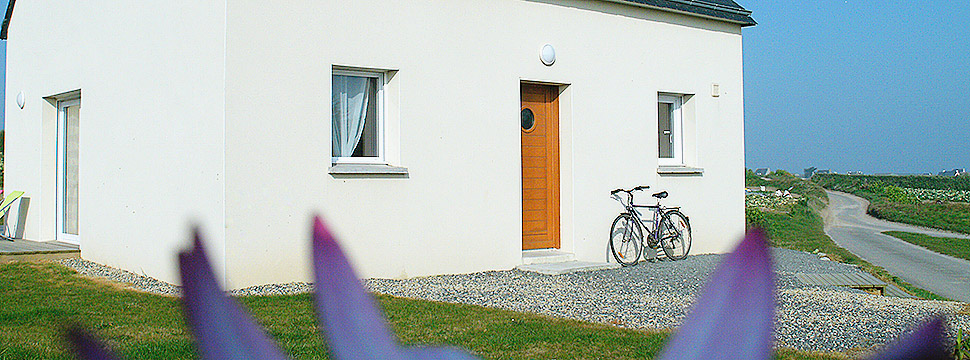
x,y
547,55
21,100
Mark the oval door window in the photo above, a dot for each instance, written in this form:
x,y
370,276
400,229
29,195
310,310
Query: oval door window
x,y
528,119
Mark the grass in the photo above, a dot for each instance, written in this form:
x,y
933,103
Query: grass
x,y
36,300
947,216
958,248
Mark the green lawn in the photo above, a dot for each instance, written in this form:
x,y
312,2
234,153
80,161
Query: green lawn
x,y
36,300
949,216
958,248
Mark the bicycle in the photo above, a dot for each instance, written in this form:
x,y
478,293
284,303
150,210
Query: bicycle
x,y
671,230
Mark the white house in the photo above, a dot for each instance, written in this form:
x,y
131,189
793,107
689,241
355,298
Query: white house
x,y
455,140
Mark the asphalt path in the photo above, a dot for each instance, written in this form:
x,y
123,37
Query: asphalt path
x,y
847,223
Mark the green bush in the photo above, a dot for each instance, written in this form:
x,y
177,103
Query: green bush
x,y
783,180
896,194
751,179
756,219
850,183
962,349
939,195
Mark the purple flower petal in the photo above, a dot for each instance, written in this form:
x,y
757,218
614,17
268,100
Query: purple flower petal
x,y
353,325
222,329
734,316
926,342
351,321
86,346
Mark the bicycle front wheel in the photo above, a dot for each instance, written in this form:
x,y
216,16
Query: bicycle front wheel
x,y
675,235
625,239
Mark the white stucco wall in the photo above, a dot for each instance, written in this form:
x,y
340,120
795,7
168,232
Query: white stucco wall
x,y
151,76
218,113
454,102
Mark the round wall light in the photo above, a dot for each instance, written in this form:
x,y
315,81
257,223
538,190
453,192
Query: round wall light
x,y
547,55
21,100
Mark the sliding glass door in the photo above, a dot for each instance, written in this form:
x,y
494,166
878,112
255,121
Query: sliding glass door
x,y
67,170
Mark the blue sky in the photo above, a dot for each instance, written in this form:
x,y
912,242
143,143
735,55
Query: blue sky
x,y
850,85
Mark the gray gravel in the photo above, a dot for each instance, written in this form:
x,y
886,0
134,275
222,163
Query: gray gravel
x,y
151,285
659,296
135,281
649,296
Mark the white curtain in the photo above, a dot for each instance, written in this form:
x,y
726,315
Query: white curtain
x,y
350,97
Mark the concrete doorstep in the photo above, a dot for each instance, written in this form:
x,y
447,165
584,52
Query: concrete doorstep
x,y
33,251
566,267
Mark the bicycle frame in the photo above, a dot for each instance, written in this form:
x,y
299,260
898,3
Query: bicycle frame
x,y
657,210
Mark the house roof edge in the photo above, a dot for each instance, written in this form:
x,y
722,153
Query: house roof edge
x,y
712,10
697,8
6,20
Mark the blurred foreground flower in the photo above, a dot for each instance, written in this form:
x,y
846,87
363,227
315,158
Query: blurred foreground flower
x,y
732,319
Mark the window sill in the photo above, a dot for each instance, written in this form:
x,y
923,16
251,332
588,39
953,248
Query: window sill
x,y
680,170
367,170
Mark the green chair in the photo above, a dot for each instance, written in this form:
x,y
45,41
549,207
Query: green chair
x,y
5,210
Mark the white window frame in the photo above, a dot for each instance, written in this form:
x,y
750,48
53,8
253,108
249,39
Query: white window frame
x,y
677,127
61,175
381,119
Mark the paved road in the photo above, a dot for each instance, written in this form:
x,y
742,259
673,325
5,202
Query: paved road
x,y
847,223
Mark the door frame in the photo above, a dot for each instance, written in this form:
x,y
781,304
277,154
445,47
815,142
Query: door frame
x,y
61,165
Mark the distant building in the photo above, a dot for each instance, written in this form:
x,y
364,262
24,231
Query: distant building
x,y
812,171
762,171
954,172
809,172
854,173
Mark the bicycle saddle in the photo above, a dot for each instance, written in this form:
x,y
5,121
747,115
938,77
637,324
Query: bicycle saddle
x,y
660,195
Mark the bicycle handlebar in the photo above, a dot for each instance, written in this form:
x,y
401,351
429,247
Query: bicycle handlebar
x,y
638,188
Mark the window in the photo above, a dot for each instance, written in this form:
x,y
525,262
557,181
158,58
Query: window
x,y
358,117
670,130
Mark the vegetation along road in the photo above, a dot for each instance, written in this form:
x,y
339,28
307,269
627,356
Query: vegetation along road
x,y
847,223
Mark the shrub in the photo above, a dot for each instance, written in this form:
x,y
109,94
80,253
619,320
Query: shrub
x,y
962,349
896,194
756,218
851,183
939,195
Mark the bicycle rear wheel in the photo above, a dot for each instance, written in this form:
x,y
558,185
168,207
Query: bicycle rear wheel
x,y
625,239
675,235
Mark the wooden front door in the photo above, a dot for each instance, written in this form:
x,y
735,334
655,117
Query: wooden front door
x,y
540,166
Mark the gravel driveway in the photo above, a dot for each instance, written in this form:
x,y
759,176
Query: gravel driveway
x,y
650,296
659,295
